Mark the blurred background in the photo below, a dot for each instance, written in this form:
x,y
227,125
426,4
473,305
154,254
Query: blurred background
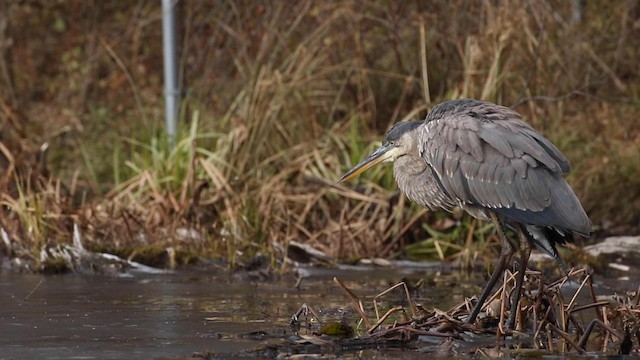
x,y
278,100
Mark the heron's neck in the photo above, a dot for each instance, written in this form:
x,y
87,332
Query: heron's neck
x,y
409,165
415,179
408,171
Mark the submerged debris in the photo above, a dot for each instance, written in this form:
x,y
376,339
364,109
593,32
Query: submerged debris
x,y
75,257
546,323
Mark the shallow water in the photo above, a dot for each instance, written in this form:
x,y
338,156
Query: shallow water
x,y
147,316
179,314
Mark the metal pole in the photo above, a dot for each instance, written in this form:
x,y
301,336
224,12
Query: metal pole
x,y
169,53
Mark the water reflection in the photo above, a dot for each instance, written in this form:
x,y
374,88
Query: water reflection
x,y
151,316
78,316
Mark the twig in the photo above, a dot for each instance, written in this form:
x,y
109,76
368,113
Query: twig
x,y
423,64
414,310
415,331
403,230
589,306
592,324
34,289
128,76
542,322
385,317
549,338
566,338
503,300
305,310
594,299
563,313
575,295
357,304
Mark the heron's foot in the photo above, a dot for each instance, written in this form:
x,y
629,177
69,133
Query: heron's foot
x,y
514,309
474,313
511,320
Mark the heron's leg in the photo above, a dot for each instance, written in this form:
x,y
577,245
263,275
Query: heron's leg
x,y
525,253
503,261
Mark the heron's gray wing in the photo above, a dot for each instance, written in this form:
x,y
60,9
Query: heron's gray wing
x,y
497,161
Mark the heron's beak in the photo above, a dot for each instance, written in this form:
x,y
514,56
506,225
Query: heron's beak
x,y
381,154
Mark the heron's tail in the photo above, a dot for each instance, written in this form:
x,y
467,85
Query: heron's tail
x,y
545,239
569,214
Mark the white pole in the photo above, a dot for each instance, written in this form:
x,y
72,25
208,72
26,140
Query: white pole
x,y
169,53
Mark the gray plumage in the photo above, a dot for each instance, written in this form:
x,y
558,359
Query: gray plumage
x,y
484,155
484,158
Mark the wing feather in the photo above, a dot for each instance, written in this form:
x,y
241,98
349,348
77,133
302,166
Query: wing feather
x,y
508,174
490,158
475,145
494,136
505,196
469,168
520,167
551,149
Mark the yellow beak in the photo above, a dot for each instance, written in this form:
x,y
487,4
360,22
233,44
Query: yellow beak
x,y
377,156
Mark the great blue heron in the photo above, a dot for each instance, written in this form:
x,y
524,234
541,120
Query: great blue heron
x,y
483,158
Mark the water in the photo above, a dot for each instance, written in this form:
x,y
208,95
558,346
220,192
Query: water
x,y
176,315
164,316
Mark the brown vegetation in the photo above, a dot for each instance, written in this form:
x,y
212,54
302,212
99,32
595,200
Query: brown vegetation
x,y
280,98
546,323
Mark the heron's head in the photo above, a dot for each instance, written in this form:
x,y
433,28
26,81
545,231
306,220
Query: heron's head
x,y
400,140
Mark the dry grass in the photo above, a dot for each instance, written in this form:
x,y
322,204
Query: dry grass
x,y
281,99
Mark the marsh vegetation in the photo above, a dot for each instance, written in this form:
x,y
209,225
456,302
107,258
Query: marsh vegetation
x,y
279,99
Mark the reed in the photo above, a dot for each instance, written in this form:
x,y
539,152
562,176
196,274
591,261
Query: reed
x,y
281,99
